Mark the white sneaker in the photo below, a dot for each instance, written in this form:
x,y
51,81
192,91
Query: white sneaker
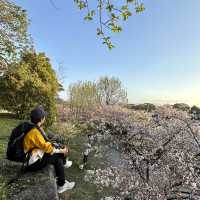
x,y
66,186
68,164
81,166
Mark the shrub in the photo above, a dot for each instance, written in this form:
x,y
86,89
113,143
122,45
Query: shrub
x,y
83,97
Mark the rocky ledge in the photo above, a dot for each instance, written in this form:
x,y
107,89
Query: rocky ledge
x,y
31,185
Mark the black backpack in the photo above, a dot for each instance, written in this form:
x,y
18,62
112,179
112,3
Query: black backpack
x,y
15,151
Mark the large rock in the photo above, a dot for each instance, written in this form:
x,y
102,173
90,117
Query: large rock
x,y
40,185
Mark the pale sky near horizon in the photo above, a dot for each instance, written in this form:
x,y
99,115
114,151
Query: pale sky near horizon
x,y
156,55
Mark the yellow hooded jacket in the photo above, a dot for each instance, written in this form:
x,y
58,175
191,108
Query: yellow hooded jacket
x,y
34,140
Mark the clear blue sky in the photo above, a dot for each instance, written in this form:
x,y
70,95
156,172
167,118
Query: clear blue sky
x,y
156,55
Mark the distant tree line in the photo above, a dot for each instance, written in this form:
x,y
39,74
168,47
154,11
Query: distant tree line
x,y
194,110
149,107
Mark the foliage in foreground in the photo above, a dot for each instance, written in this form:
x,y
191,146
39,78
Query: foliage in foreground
x,y
108,14
13,24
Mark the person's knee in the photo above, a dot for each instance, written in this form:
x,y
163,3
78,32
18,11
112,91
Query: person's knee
x,y
55,159
58,161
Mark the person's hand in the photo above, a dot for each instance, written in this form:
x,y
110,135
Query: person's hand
x,y
65,151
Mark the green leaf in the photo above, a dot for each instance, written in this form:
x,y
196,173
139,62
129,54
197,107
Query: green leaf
x,y
126,15
81,5
140,8
116,28
90,15
130,1
99,32
92,12
110,7
124,7
114,16
106,41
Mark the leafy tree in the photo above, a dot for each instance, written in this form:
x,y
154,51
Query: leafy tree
x,y
111,91
31,82
109,14
83,96
195,111
13,32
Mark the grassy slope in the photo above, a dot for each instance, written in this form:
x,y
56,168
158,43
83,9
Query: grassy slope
x,y
6,125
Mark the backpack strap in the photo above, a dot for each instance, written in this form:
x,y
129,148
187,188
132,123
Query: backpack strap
x,y
28,154
26,160
42,133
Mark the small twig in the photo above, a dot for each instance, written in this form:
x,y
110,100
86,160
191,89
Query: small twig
x,y
100,15
53,4
87,5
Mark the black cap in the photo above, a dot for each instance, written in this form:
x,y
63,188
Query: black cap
x,y
37,114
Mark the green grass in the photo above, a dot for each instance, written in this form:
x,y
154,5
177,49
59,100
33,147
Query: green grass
x,y
6,126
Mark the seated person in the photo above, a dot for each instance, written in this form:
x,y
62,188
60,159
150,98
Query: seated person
x,y
43,152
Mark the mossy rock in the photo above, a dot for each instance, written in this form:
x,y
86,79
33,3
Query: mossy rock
x,y
30,185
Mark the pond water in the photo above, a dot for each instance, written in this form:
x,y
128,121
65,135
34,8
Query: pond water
x,y
103,156
110,156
